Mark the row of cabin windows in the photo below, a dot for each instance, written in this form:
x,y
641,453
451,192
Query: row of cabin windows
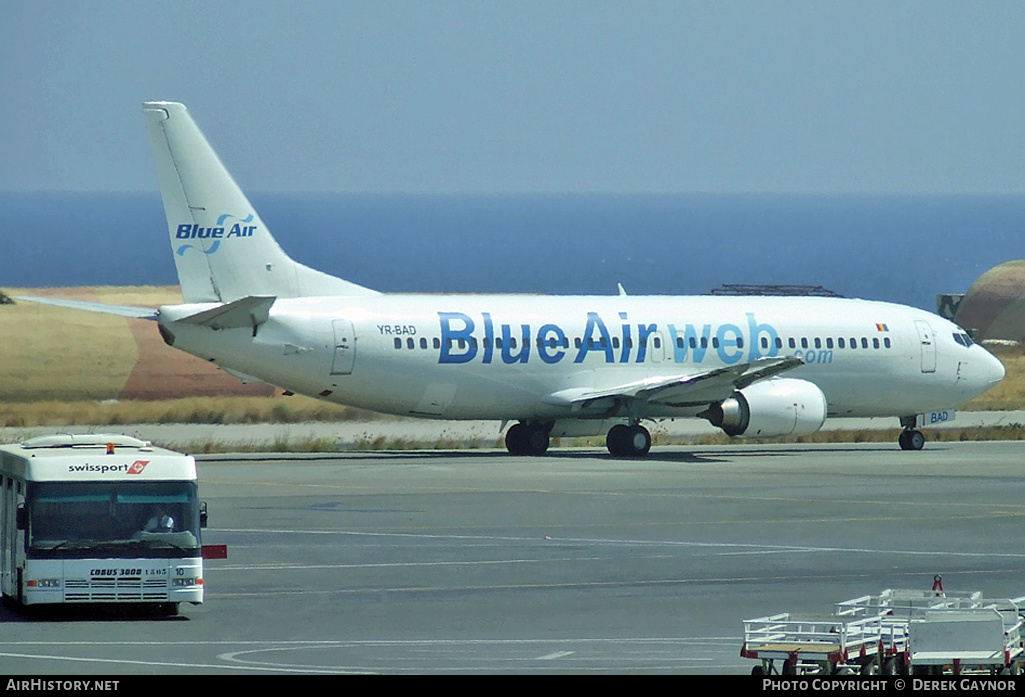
x,y
792,342
829,343
552,343
411,342
694,342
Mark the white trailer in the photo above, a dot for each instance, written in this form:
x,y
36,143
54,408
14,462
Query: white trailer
x,y
99,518
986,638
896,608
811,644
895,632
907,603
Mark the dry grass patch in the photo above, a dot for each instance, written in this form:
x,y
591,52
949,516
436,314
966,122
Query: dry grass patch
x,y
192,410
56,353
1009,394
60,367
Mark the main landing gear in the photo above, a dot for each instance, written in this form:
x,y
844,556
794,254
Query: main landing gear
x,y
628,441
910,438
532,438
527,438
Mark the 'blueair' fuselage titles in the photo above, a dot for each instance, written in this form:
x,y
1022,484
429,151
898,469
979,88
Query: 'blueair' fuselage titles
x,y
506,343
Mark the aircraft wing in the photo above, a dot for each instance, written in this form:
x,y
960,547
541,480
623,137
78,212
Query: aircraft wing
x,y
121,310
695,389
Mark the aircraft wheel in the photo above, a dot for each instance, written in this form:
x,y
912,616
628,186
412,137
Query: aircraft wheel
x,y
628,441
911,440
527,439
639,441
516,439
537,440
616,440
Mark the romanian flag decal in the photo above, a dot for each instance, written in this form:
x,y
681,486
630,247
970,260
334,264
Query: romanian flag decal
x,y
882,328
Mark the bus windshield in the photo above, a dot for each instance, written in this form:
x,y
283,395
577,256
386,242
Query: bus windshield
x,y
135,518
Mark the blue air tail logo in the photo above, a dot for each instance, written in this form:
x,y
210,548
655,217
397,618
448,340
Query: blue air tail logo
x,y
220,232
186,247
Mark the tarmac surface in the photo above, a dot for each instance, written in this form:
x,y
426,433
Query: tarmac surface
x,y
409,431
479,562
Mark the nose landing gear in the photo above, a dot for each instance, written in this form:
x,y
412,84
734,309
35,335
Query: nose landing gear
x,y
910,438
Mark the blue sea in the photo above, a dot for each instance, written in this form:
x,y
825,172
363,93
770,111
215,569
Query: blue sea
x,y
900,249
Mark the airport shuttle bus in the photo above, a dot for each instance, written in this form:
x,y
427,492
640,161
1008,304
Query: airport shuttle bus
x,y
99,519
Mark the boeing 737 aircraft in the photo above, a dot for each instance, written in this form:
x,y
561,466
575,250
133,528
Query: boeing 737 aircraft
x,y
554,366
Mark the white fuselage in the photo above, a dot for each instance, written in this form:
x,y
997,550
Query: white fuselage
x,y
504,356
556,365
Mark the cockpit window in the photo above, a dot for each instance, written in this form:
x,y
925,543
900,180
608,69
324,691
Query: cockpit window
x,y
963,339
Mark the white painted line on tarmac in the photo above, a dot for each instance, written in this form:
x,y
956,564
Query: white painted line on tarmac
x,y
557,654
165,664
727,548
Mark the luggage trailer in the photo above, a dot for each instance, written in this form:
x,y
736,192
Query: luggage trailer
x,y
895,632
811,644
983,639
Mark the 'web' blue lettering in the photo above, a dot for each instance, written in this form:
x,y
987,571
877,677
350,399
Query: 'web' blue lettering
x,y
731,343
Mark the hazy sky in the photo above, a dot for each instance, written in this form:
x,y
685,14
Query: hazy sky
x,y
482,96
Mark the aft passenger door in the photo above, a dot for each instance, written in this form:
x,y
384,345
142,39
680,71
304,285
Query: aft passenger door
x,y
345,348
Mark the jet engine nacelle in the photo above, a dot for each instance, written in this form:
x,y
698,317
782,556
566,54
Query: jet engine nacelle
x,y
776,407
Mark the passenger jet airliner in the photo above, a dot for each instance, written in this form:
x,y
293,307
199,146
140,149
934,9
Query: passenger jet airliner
x,y
552,366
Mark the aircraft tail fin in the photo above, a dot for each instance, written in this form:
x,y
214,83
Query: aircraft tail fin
x,y
222,250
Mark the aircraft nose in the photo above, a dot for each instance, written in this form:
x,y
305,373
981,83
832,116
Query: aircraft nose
x,y
994,369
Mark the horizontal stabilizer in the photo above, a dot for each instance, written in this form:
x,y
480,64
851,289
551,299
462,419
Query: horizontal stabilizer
x,y
248,312
121,310
244,377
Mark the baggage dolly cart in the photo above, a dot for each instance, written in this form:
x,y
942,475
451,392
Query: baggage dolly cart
x,y
865,635
811,644
983,639
896,608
